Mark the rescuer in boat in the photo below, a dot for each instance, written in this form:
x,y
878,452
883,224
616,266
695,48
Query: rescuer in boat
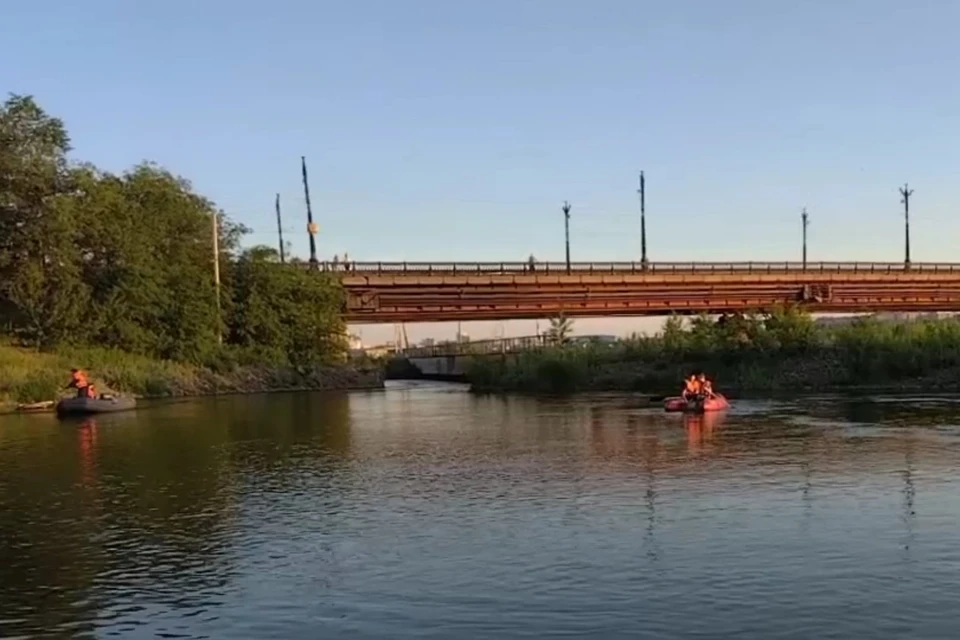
x,y
706,387
78,381
691,387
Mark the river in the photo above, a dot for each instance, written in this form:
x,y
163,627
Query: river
x,y
424,512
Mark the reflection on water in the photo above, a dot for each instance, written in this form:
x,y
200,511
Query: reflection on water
x,y
424,511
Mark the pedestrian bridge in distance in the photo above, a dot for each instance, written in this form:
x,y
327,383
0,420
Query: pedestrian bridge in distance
x,y
496,346
384,292
450,360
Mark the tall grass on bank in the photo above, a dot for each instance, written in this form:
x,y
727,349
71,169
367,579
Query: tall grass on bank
x,y
783,350
27,375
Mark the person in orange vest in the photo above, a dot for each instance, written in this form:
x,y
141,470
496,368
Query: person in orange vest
x,y
706,387
78,381
691,387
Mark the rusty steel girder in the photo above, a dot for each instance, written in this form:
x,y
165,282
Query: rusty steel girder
x,y
358,281
503,297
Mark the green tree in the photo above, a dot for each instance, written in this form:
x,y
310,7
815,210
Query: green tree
x,y
673,334
41,293
148,256
703,333
790,328
50,301
294,310
561,327
126,261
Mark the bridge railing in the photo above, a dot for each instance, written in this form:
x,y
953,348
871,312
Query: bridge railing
x,y
478,347
486,268
497,346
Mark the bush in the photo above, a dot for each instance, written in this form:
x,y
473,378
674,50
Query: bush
x,y
783,349
37,387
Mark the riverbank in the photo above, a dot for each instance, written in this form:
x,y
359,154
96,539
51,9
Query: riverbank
x,y
557,373
786,352
27,376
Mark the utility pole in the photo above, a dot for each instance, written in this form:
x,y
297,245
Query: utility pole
x,y
283,259
906,192
311,227
566,227
643,223
216,273
806,223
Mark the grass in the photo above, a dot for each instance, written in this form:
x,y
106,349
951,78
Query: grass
x,y
30,376
783,351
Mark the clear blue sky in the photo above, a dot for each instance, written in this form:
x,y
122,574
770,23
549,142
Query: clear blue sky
x,y
439,130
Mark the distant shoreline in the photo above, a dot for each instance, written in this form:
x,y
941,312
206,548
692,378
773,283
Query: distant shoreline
x,y
789,376
746,355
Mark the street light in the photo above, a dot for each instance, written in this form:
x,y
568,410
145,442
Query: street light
x,y
643,222
806,223
906,192
566,228
311,225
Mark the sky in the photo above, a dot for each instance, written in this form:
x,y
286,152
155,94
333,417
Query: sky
x,y
438,130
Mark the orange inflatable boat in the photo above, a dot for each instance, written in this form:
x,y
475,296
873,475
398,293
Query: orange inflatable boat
x,y
715,403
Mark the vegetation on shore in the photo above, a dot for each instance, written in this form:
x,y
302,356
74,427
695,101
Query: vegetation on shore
x,y
125,262
777,352
28,376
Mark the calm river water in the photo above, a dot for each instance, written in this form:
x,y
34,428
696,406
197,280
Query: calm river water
x,y
424,512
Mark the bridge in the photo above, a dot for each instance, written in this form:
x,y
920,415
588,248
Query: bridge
x,y
450,360
492,347
387,292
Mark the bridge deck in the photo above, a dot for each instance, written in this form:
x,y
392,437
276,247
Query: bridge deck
x,y
410,292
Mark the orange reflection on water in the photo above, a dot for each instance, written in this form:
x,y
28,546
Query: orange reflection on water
x,y
701,427
87,435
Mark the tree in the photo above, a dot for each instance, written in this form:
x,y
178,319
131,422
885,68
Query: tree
x,y
703,332
37,256
560,329
126,261
50,302
790,328
33,148
294,310
674,336
146,253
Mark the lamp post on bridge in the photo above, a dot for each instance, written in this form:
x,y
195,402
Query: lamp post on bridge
x,y
643,223
283,259
566,228
906,192
311,227
806,222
